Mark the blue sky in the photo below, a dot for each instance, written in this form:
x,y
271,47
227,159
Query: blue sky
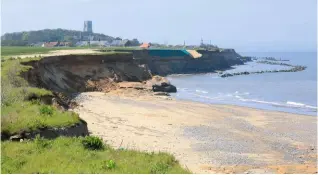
x,y
246,25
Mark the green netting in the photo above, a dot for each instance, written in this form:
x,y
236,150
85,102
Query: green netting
x,y
168,53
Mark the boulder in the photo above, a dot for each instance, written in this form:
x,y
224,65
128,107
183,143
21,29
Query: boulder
x,y
16,138
160,84
226,75
164,87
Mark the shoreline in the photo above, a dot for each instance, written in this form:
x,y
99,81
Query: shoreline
x,y
254,108
206,138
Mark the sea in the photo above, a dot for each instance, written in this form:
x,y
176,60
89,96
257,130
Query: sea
x,y
293,92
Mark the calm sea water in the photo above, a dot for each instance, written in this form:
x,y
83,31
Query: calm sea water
x,y
294,92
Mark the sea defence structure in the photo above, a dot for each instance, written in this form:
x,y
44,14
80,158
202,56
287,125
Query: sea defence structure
x,y
80,73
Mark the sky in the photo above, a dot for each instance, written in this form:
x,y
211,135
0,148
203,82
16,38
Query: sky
x,y
245,25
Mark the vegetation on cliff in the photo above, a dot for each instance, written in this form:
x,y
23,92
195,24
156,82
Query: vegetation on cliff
x,y
21,104
7,51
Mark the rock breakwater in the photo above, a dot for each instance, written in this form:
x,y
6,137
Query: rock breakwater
x,y
294,68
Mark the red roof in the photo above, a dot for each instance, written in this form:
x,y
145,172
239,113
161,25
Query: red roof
x,y
51,44
145,45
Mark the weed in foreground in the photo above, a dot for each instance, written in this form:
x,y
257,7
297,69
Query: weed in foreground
x,y
92,143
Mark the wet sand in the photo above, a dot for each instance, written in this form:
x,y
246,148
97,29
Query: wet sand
x,y
204,138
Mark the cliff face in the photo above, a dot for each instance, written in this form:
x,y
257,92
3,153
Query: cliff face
x,y
79,73
165,62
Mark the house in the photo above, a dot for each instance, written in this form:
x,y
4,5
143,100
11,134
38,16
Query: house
x,y
120,43
145,45
81,43
38,44
93,43
116,43
99,43
66,44
50,44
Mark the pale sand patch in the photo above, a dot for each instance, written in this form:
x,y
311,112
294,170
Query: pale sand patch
x,y
204,138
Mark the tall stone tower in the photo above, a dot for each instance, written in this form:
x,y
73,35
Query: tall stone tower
x,y
88,26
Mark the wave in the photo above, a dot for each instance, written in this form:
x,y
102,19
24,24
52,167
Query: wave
x,y
182,89
260,101
201,91
207,97
296,104
287,104
245,93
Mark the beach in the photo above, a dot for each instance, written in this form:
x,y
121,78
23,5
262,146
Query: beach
x,y
205,138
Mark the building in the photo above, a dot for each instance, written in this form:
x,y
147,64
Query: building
x,y
115,43
50,44
88,26
38,44
145,45
56,44
65,44
93,43
120,43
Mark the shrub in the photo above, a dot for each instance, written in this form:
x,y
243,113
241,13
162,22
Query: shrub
x,y
110,164
159,168
41,142
46,110
92,143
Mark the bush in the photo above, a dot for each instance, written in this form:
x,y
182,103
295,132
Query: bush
x,y
46,110
92,143
159,168
110,164
41,142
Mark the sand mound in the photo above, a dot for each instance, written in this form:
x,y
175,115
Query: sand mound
x,y
194,53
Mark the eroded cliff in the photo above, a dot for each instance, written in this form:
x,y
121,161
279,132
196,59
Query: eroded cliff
x,y
102,72
79,73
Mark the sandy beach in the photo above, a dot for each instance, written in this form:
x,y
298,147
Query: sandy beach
x,y
204,138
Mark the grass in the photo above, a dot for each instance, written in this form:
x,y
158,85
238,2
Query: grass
x,y
21,114
7,51
30,116
24,50
68,155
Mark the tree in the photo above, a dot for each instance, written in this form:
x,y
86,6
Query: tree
x,y
25,36
134,42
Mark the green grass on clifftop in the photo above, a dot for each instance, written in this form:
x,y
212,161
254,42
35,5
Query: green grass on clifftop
x,y
25,50
20,114
68,156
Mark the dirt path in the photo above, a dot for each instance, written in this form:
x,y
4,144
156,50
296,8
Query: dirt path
x,y
204,138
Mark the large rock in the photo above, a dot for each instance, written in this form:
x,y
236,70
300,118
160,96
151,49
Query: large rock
x,y
164,87
160,84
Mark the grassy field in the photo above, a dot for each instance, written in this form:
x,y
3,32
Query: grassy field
x,y
68,156
24,50
7,51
